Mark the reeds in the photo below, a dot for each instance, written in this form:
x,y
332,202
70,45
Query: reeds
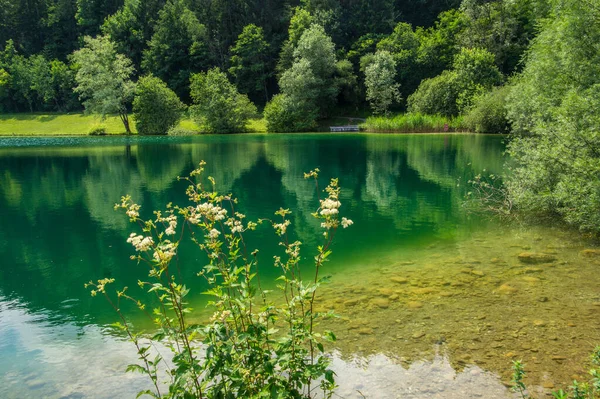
x,y
413,123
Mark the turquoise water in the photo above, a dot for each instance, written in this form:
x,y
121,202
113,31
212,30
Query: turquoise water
x,y
404,193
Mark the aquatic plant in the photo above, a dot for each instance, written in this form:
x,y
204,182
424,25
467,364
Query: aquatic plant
x,y
577,390
413,123
252,347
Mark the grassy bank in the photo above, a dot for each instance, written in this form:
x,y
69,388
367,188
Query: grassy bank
x,y
413,123
78,124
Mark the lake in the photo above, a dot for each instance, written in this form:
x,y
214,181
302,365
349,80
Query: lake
x,y
434,302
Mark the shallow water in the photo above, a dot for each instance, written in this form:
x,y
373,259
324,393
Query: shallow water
x,y
432,302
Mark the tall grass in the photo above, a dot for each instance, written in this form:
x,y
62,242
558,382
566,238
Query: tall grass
x,y
413,123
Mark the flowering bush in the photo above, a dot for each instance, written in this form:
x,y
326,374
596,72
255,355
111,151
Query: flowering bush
x,y
252,347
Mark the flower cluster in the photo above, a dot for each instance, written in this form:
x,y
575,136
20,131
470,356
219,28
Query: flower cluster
x,y
329,207
140,243
165,251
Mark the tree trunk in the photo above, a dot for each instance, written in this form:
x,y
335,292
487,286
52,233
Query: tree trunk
x,y
125,120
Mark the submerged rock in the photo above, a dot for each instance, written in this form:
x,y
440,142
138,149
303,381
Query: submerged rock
x,y
590,253
535,258
414,305
399,280
506,289
381,302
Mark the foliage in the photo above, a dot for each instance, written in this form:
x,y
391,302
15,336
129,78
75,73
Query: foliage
x,y
438,44
317,50
382,89
34,83
403,44
98,130
453,90
346,82
131,27
252,347
156,108
437,95
553,108
218,104
300,21
248,61
504,28
104,79
412,123
177,48
488,113
577,390
310,86
284,114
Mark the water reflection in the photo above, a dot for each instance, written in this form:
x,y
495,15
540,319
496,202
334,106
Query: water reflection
x,y
58,228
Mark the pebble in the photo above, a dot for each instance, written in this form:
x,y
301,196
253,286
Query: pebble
x,y
539,323
414,305
365,331
418,335
548,384
590,253
506,289
535,258
399,280
381,302
478,273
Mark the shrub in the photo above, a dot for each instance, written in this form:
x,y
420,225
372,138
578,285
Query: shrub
x,y
283,114
98,130
252,347
180,131
453,90
156,108
219,107
489,114
436,95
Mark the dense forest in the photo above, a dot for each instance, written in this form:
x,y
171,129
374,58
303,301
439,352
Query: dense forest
x,y
256,42
530,67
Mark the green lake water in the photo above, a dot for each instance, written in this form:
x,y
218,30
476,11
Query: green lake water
x,y
433,302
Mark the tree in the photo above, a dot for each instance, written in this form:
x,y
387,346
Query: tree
x,y
91,13
104,78
248,61
301,20
554,111
438,45
177,48
380,79
437,95
131,27
316,50
284,114
474,72
156,108
403,45
218,104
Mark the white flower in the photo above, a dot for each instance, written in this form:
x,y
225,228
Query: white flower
x,y
213,234
346,222
140,243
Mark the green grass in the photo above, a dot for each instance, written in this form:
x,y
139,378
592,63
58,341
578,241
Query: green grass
x,y
412,123
79,124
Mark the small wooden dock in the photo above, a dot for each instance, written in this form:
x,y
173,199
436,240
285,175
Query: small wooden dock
x,y
347,128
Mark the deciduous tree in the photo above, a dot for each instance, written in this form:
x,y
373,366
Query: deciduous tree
x,y
104,78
